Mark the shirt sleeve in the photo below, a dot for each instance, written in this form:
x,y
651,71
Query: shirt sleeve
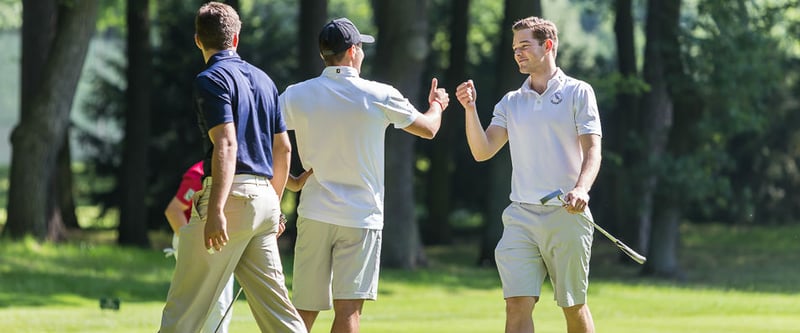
x,y
280,123
499,115
286,115
213,101
398,110
587,115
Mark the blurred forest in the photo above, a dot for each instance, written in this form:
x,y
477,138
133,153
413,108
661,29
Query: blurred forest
x,y
698,100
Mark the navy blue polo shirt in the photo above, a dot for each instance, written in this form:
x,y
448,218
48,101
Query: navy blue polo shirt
x,y
232,90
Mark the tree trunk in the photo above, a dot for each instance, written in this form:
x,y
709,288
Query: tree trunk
x,y
232,3
662,29
619,126
313,15
37,39
402,46
63,185
134,169
44,117
662,260
508,78
437,229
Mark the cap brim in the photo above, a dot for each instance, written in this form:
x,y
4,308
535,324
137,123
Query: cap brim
x,y
367,39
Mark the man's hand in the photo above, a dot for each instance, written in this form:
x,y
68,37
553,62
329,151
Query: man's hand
x,y
467,94
438,95
281,226
576,200
215,232
295,184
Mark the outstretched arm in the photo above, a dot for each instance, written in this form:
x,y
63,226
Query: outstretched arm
x,y
483,145
427,125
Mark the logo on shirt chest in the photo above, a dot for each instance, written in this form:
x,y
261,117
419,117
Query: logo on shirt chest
x,y
557,98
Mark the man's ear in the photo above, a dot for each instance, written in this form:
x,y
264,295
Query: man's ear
x,y
351,52
548,44
197,42
236,40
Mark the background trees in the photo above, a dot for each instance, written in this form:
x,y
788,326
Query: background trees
x,y
57,39
697,99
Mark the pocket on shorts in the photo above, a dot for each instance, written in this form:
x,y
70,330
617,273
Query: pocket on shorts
x,y
200,205
238,198
506,217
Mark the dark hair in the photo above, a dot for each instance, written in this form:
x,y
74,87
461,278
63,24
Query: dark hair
x,y
333,59
215,24
542,29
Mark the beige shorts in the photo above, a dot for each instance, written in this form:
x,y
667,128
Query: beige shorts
x,y
544,240
334,262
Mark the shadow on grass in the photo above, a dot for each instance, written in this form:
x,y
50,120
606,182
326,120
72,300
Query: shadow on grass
x,y
718,257
759,260
39,275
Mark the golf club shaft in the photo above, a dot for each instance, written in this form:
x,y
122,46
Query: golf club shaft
x,y
626,249
228,310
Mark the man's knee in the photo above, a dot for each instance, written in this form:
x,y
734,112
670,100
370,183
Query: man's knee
x,y
521,304
348,307
575,309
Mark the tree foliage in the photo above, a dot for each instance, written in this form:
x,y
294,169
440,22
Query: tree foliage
x,y
731,155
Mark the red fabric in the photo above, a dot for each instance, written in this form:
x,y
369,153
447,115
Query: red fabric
x,y
191,183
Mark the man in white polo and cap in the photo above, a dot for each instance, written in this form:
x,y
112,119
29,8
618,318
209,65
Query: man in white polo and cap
x,y
340,123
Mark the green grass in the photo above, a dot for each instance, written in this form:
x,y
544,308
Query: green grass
x,y
738,280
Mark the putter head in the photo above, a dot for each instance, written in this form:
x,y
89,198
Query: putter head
x,y
551,196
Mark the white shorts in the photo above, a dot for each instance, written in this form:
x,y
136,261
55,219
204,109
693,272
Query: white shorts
x,y
334,262
544,240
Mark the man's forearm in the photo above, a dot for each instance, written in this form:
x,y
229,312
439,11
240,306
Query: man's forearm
x,y
590,167
281,162
223,168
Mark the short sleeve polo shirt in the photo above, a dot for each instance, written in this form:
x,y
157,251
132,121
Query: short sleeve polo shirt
x,y
543,132
340,123
232,90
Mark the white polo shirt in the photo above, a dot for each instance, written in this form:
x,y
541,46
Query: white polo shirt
x,y
340,123
543,135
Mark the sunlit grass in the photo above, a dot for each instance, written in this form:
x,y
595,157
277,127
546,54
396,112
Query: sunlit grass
x,y
738,280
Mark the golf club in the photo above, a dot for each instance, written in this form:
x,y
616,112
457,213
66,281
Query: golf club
x,y
630,252
228,310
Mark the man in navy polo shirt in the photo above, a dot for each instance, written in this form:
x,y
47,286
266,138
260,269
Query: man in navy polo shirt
x,y
236,216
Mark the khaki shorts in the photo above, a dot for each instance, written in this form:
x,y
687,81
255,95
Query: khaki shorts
x,y
334,262
544,240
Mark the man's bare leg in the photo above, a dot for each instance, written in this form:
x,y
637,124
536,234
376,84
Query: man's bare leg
x,y
579,319
519,314
308,317
347,315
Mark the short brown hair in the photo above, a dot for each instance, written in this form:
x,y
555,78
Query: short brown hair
x,y
333,59
215,24
542,29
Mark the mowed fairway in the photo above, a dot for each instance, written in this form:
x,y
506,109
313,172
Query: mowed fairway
x,y
738,280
